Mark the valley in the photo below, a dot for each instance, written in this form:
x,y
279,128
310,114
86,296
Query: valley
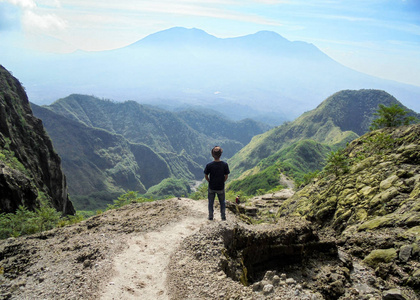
x,y
320,228
110,147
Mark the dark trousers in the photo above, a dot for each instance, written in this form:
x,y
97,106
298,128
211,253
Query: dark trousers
x,y
221,196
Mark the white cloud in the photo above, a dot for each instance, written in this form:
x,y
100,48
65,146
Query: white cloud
x,y
25,4
47,22
35,19
49,3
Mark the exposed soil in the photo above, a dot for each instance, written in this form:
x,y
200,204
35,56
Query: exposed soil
x,y
169,250
115,255
140,269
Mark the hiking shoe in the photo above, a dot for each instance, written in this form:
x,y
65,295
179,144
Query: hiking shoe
x,y
210,219
223,219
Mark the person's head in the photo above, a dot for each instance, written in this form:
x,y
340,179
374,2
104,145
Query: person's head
x,y
216,152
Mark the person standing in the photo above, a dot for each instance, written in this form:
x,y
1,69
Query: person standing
x,y
216,173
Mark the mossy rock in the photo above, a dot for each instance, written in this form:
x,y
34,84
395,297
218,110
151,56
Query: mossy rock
x,y
361,214
412,232
380,256
378,222
324,214
341,217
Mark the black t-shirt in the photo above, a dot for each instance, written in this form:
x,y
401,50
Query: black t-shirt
x,y
217,171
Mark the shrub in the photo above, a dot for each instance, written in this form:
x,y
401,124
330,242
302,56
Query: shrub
x,y
391,116
8,157
128,198
337,163
307,178
201,192
24,222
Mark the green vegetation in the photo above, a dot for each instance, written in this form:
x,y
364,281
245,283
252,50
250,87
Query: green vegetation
x,y
117,147
259,183
337,121
8,157
392,116
128,198
94,201
201,192
170,187
337,163
24,222
295,161
308,177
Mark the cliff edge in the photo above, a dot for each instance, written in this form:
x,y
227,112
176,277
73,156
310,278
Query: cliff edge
x,y
29,165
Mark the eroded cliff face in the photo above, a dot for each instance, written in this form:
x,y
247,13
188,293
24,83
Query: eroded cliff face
x,y
28,163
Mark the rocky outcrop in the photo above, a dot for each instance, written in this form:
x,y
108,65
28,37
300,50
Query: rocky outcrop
x,y
28,163
374,208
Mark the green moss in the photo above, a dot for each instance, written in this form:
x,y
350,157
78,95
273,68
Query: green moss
x,y
380,256
361,215
377,222
415,193
341,217
324,213
413,232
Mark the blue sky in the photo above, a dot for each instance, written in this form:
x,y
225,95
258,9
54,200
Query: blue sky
x,y
377,37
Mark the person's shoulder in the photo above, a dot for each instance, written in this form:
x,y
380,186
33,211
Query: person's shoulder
x,y
210,163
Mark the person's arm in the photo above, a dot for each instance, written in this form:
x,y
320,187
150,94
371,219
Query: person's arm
x,y
226,177
207,177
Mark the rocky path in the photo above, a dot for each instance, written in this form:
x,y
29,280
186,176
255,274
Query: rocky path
x,y
140,270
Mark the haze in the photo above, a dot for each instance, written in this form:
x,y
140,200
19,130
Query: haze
x,y
380,37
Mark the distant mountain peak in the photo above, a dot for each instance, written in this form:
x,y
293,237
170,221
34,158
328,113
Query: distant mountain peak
x,y
177,35
266,34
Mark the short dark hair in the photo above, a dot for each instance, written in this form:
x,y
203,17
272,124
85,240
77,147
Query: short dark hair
x,y
216,151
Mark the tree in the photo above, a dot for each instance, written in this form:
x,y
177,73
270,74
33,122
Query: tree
x,y
391,116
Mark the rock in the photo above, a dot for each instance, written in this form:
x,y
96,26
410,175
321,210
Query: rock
x,y
336,289
276,280
256,287
405,253
381,255
268,289
283,194
345,259
269,275
389,182
87,263
394,294
383,270
290,281
283,276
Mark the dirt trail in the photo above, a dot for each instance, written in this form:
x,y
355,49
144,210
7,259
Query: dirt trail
x,y
140,270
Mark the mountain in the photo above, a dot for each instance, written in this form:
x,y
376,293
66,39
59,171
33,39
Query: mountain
x,y
215,125
30,169
97,160
338,120
264,74
110,147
